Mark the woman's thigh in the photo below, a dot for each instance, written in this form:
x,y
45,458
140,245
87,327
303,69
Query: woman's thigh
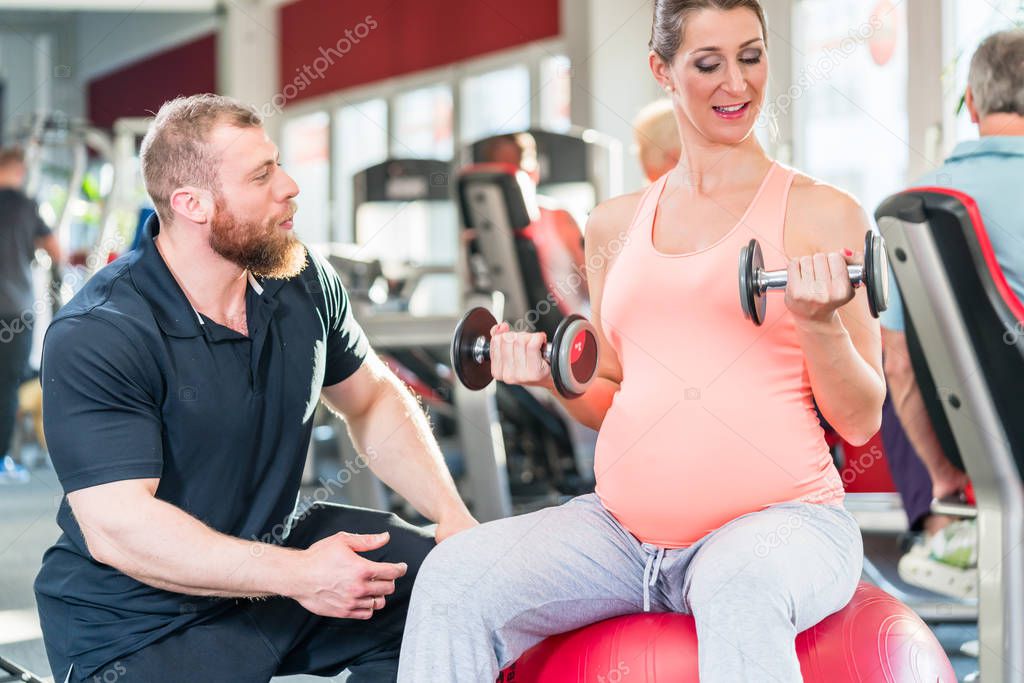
x,y
525,577
805,557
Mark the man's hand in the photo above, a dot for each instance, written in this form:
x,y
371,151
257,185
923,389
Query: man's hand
x,y
336,582
453,524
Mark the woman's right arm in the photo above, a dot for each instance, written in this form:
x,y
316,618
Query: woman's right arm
x,y
516,357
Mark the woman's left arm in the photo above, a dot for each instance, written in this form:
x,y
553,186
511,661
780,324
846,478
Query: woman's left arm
x,y
840,340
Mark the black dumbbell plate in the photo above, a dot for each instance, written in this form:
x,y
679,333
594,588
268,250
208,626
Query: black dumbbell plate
x,y
477,323
876,273
751,299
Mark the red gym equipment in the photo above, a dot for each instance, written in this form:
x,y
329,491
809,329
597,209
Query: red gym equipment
x,y
875,638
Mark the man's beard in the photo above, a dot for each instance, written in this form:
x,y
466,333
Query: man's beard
x,y
262,248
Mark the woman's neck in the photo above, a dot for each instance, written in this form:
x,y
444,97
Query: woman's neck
x,y
706,167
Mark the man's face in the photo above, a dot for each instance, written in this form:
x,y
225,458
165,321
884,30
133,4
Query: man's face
x,y
13,174
252,221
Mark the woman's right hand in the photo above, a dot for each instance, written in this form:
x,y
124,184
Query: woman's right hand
x,y
517,357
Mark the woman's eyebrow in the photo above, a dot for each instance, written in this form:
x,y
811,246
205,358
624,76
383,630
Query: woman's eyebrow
x,y
718,49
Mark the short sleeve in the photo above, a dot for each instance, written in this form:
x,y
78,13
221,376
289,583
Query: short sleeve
x,y
100,415
39,227
892,317
347,344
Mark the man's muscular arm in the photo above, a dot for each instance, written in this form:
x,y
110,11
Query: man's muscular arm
x,y
389,428
126,527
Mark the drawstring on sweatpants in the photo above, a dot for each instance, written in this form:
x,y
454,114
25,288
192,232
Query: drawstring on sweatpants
x,y
651,572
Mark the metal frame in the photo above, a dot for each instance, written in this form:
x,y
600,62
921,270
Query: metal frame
x,y
928,293
15,672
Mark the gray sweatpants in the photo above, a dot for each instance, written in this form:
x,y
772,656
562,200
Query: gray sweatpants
x,y
485,596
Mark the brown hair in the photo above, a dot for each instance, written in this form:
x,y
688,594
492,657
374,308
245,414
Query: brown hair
x,y
11,155
175,152
670,15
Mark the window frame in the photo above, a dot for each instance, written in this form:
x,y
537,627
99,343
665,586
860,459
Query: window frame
x,y
531,55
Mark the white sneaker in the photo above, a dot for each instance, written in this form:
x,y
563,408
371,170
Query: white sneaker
x,y
919,567
11,472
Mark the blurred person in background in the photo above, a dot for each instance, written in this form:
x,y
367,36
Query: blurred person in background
x,y
656,135
558,237
22,231
990,170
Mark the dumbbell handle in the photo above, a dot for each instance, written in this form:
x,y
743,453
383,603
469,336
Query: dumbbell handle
x,y
778,279
482,350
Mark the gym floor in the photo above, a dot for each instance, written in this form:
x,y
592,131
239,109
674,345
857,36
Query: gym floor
x,y
28,528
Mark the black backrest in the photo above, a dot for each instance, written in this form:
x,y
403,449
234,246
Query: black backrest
x,y
992,314
494,201
930,394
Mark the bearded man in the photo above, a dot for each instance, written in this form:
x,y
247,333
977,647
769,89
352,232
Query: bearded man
x,y
179,389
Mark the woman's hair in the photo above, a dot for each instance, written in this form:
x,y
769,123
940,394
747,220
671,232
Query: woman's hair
x,y
670,15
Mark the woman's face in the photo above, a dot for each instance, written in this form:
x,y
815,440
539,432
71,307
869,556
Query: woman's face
x,y
719,74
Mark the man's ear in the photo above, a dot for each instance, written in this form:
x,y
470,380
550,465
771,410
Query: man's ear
x,y
193,204
969,103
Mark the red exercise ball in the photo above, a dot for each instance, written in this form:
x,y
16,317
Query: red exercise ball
x,y
875,638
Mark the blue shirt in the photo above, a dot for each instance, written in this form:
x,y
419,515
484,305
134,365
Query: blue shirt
x,y
991,171
137,384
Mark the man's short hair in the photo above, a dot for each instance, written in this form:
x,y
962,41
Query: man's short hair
x,y
175,151
522,143
997,74
11,155
657,137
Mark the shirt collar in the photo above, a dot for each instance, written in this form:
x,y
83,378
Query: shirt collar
x,y
1000,145
173,311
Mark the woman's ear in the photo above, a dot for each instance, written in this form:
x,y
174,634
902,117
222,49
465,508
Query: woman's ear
x,y
661,72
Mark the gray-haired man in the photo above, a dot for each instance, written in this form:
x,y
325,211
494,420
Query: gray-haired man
x,y
991,170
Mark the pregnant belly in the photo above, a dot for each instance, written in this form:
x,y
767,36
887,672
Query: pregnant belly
x,y
671,477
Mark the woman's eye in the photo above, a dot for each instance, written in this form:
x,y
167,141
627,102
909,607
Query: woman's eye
x,y
706,68
751,57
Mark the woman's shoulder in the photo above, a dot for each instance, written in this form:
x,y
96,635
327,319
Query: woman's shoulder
x,y
612,216
822,213
812,195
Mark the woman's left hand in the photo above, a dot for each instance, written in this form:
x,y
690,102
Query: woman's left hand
x,y
819,284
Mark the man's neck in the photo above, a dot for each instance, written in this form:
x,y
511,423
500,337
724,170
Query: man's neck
x,y
214,286
1001,124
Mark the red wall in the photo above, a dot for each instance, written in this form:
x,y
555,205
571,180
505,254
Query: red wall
x,y
140,88
409,35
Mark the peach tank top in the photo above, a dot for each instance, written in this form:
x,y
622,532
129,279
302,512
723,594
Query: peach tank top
x,y
714,418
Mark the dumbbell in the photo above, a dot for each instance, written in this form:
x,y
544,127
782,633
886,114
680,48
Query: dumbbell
x,y
755,281
571,353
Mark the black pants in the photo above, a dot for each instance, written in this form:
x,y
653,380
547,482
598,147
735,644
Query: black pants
x,y
15,347
259,639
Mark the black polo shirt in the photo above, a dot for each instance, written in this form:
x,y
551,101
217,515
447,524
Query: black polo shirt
x,y
137,384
